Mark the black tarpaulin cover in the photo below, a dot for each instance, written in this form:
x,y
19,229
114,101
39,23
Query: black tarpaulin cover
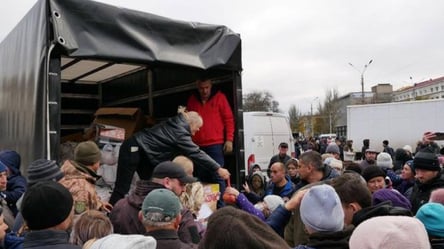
x,y
92,30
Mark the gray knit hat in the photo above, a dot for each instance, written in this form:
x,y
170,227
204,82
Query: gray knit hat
x,y
44,170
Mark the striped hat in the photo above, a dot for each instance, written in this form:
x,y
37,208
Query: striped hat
x,y
44,170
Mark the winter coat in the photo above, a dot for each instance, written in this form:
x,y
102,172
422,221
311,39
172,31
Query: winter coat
x,y
244,204
218,121
188,228
294,232
13,241
168,239
169,139
16,184
279,219
80,181
329,240
406,188
125,213
255,197
421,191
287,191
382,209
48,239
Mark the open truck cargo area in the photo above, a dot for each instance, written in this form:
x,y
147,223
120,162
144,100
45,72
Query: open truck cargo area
x,y
67,59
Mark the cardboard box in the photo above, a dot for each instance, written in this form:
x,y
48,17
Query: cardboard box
x,y
130,119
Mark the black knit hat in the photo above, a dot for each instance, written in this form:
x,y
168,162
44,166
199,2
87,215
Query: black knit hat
x,y
426,160
372,172
43,170
46,204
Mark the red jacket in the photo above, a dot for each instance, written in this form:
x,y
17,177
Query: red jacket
x,y
218,121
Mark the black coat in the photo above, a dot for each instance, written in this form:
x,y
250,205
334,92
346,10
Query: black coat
x,y
48,239
169,139
421,191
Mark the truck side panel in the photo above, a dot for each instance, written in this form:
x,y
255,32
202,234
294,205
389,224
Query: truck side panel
x,y
402,123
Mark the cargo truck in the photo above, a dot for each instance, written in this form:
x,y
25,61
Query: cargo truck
x,y
401,123
66,59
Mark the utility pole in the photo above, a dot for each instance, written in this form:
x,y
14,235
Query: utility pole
x,y
362,78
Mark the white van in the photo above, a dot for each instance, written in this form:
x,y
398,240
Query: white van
x,y
263,132
331,137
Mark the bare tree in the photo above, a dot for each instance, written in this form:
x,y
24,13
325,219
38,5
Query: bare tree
x,y
329,111
260,101
295,115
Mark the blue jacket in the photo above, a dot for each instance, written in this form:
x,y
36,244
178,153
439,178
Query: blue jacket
x,y
278,220
13,241
287,191
16,185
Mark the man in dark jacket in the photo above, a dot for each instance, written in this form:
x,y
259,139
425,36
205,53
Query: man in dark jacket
x,y
149,147
167,175
160,215
428,178
280,157
47,210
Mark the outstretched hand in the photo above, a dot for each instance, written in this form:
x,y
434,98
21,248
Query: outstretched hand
x,y
224,173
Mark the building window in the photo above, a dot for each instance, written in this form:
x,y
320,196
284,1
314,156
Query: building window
x,y
431,89
442,88
436,88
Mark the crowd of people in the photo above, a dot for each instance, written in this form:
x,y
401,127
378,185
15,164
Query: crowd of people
x,y
314,201
322,198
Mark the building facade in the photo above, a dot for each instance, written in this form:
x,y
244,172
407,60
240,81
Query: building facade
x,y
429,89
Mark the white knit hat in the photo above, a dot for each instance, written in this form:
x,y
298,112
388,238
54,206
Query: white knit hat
x,y
132,241
384,160
273,201
394,232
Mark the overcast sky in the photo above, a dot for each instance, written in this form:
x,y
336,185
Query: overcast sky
x,y
297,50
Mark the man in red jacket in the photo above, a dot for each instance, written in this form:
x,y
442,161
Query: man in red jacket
x,y
215,137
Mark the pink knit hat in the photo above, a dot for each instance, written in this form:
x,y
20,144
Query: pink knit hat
x,y
394,232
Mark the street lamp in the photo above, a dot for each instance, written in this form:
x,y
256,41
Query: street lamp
x,y
311,116
362,77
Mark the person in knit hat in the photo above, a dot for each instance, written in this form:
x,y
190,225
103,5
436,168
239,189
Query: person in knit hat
x,y
428,175
397,199
47,210
334,150
16,185
375,178
385,162
132,241
40,170
81,176
233,228
322,214
394,232
431,215
437,196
